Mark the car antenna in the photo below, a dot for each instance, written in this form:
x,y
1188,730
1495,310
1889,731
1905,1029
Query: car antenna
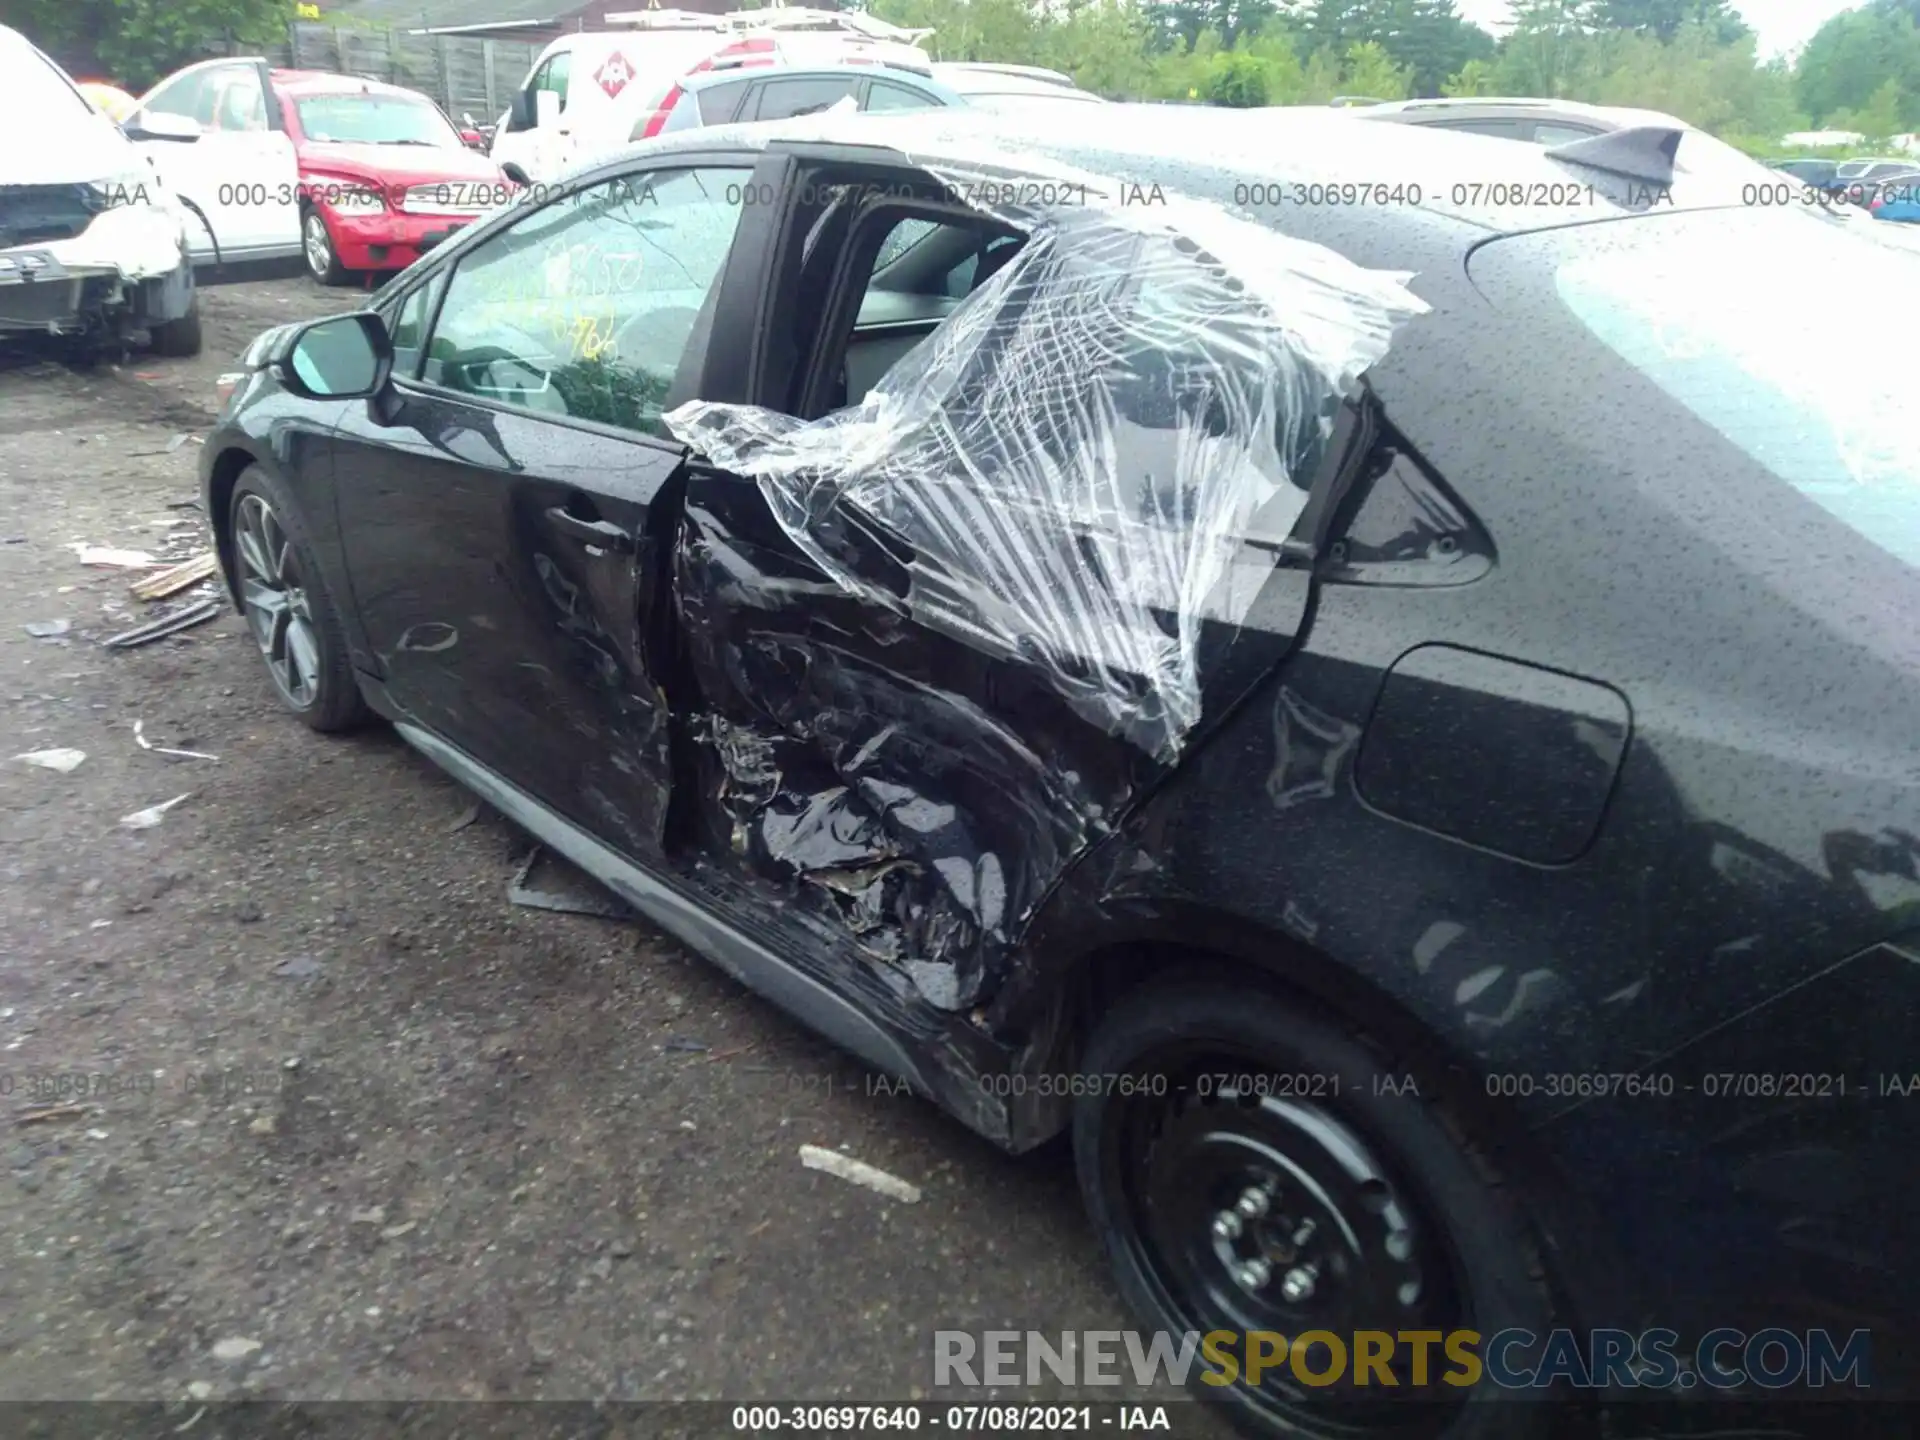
x,y
1639,152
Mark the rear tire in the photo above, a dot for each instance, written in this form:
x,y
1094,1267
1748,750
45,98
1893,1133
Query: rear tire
x,y
1303,1202
287,607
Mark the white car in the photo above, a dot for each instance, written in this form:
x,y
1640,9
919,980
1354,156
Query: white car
x,y
590,93
92,244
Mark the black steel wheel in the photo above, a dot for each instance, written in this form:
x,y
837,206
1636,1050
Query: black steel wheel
x,y
1247,1174
286,605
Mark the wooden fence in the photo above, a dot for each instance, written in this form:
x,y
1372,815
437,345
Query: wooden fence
x,y
465,73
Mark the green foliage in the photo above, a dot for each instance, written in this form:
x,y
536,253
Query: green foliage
x,y
1236,79
138,41
1856,55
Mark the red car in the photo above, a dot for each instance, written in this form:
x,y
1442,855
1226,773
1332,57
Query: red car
x,y
383,173
352,174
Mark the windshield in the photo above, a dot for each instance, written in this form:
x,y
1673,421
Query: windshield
x,y
374,120
35,93
1808,391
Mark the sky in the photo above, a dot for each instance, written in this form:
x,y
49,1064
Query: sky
x,y
1782,25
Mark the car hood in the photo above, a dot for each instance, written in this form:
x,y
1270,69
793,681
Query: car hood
x,y
399,164
89,147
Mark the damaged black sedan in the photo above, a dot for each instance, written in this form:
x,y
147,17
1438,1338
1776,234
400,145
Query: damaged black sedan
x,y
1389,717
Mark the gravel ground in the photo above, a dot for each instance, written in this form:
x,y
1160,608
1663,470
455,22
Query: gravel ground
x,y
333,1119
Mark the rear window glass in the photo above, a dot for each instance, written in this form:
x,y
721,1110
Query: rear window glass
x,y
1813,393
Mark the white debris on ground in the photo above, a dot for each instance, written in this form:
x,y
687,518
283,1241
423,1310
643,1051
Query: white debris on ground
x,y
859,1173
62,759
151,816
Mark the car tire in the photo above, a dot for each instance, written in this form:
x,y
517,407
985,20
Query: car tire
x,y
287,608
180,338
316,248
1353,1195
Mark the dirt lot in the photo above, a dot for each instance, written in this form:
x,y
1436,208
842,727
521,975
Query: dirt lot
x,y
341,1099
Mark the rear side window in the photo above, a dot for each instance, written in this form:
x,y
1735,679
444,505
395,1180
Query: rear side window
x,y
884,96
1808,392
720,103
1547,133
1504,129
782,99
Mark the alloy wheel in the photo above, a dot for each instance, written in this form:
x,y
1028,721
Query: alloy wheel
x,y
318,244
273,594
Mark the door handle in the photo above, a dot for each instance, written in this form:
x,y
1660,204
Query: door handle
x,y
594,531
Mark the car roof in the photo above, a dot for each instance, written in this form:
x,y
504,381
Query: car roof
x,y
1219,154
706,79
1026,72
326,82
969,81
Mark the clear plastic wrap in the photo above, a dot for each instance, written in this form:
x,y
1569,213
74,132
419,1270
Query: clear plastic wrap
x,y
1069,462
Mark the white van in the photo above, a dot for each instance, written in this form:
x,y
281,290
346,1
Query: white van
x,y
593,92
92,244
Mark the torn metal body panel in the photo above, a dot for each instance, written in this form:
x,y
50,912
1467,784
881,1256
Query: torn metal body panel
x,y
944,638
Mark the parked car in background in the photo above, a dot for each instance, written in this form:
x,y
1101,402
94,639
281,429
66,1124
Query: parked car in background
x,y
1858,180
720,97
350,174
1896,197
384,174
93,244
1819,173
109,99
1393,798
589,93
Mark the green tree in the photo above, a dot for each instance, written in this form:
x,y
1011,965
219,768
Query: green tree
x,y
1852,56
1476,77
1662,19
1879,118
139,41
1369,70
1235,78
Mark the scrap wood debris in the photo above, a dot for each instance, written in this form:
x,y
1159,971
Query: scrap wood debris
x,y
859,1173
175,578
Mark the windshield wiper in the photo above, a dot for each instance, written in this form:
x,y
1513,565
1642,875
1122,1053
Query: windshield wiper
x,y
429,143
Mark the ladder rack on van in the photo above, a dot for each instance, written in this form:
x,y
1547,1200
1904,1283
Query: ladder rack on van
x,y
775,17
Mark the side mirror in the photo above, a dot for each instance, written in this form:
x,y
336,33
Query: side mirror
x,y
516,174
473,139
520,113
344,357
156,125
546,108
